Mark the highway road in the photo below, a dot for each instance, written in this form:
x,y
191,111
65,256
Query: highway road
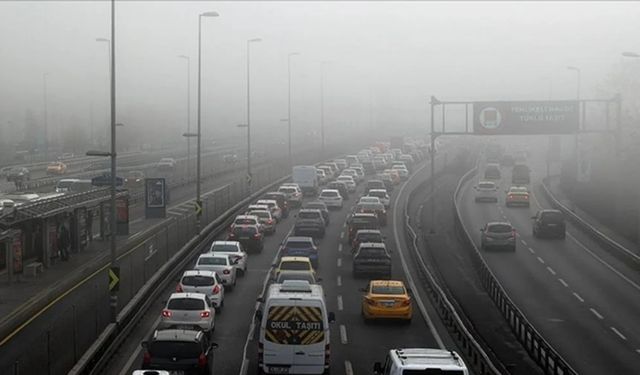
x,y
570,290
355,346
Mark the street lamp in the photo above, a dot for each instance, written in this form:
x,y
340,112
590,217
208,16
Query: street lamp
x,y
188,112
46,136
322,64
289,102
199,133
108,42
254,40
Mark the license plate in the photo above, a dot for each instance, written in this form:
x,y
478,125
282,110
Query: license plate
x,y
388,304
278,370
176,372
184,326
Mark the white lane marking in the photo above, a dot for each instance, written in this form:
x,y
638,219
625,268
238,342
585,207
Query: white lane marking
x,y
340,247
531,250
578,297
136,353
610,267
339,262
596,313
563,283
339,281
340,305
344,225
341,235
348,369
551,270
405,267
343,334
618,333
540,260
523,242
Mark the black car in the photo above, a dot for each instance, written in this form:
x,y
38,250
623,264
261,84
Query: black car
x,y
317,205
249,237
341,187
492,172
549,223
281,199
184,350
309,222
372,258
359,221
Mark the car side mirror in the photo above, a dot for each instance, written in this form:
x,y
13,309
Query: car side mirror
x,y
144,344
332,317
481,229
377,368
260,299
213,346
258,315
409,291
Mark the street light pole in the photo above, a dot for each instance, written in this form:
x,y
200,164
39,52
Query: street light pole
x,y
188,113
249,177
289,103
46,135
113,300
199,136
322,148
105,40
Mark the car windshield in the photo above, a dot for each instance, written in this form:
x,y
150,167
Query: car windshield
x,y
225,248
185,304
245,221
486,185
261,214
287,190
387,289
370,252
378,194
363,220
64,184
518,190
370,206
316,206
177,349
553,217
244,230
329,194
297,244
499,228
370,237
198,280
295,266
218,261
308,215
295,276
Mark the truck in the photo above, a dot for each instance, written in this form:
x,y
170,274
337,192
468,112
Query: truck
x,y
307,178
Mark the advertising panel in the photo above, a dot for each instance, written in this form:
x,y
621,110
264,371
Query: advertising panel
x,y
526,117
155,194
122,216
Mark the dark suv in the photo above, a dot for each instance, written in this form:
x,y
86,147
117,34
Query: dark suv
x,y
309,222
549,223
179,350
317,205
249,237
341,187
372,258
300,247
366,235
359,221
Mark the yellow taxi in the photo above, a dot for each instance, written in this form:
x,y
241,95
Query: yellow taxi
x,y
57,167
386,299
294,264
517,196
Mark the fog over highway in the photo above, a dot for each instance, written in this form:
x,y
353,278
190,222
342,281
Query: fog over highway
x,y
399,187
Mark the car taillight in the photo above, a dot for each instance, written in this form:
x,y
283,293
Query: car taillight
x,y
202,360
260,353
406,302
216,289
232,236
513,233
371,302
526,197
146,358
327,355
269,221
205,314
510,196
166,313
226,272
256,236
179,288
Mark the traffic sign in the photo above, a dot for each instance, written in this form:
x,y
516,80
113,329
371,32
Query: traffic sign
x,y
249,178
198,207
114,278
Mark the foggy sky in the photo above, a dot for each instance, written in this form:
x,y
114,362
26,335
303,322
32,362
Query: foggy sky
x,y
388,55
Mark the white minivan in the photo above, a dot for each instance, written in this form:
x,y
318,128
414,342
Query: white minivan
x,y
294,329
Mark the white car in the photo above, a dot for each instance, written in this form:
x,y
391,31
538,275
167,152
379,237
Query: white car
x,y
331,198
221,264
486,191
293,193
349,181
369,199
234,250
382,195
276,211
266,220
184,310
353,173
205,282
402,171
166,163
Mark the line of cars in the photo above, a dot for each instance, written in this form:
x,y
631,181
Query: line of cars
x,y
502,234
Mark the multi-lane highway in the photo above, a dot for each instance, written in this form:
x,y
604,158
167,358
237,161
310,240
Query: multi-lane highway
x,y
582,300
355,345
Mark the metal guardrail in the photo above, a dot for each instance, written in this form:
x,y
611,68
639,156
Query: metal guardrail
x,y
538,348
609,244
473,352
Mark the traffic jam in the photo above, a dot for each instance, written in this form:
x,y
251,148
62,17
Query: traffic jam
x,y
292,318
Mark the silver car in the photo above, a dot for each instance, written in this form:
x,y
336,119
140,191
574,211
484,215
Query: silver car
x,y
266,220
498,235
234,250
205,282
486,191
382,195
186,310
221,264
331,198
349,181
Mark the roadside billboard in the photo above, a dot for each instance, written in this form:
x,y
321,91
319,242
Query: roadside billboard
x,y
526,117
155,198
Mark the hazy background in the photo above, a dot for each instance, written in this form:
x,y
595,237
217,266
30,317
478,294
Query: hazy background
x,y
386,59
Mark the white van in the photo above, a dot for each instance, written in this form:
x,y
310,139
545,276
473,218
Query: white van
x,y
294,329
419,361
